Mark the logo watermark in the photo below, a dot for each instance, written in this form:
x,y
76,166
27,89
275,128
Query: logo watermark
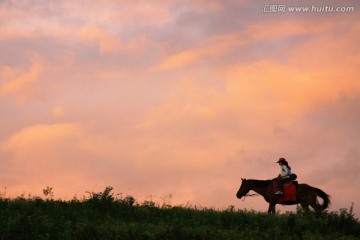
x,y
278,8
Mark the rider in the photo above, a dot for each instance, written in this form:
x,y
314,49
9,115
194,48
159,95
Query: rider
x,y
284,174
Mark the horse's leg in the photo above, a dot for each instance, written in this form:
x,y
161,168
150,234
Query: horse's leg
x,y
313,203
271,208
315,206
305,206
303,197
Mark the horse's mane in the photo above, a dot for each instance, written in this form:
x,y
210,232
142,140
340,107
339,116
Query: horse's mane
x,y
262,183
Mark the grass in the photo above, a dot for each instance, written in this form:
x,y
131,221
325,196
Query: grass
x,y
103,216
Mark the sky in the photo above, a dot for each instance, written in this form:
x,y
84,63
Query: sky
x,y
179,100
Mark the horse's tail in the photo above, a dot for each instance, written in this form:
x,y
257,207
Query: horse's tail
x,y
324,196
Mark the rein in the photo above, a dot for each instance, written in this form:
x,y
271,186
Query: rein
x,y
250,195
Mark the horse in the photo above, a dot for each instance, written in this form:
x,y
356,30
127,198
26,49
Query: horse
x,y
305,194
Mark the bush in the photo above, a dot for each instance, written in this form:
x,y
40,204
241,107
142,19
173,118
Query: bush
x,y
103,216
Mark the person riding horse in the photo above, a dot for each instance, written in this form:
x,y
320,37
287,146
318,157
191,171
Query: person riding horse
x,y
306,195
285,173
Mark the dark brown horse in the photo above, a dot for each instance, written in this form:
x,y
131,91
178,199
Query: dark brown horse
x,y
305,195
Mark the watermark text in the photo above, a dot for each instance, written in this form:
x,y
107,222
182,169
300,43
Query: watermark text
x,y
278,8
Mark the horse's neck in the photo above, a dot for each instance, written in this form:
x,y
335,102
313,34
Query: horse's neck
x,y
260,186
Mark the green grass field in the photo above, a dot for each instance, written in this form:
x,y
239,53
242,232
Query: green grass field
x,y
103,216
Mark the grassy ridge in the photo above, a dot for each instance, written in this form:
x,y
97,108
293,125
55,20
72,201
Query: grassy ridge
x,y
101,216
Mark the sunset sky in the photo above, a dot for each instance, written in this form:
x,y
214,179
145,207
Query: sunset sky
x,y
178,97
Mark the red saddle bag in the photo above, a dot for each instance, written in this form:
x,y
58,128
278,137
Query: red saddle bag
x,y
289,190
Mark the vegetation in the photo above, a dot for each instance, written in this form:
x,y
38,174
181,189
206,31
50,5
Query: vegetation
x,y
103,216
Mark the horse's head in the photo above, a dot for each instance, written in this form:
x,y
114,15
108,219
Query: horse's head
x,y
244,188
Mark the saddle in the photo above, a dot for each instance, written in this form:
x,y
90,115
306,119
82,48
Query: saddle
x,y
289,190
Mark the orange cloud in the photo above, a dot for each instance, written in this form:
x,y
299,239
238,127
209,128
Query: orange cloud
x,y
107,42
18,81
260,98
220,46
58,111
178,60
279,29
273,87
216,110
51,154
39,137
211,48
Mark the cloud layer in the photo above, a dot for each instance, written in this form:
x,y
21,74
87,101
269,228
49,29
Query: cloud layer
x,y
177,97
